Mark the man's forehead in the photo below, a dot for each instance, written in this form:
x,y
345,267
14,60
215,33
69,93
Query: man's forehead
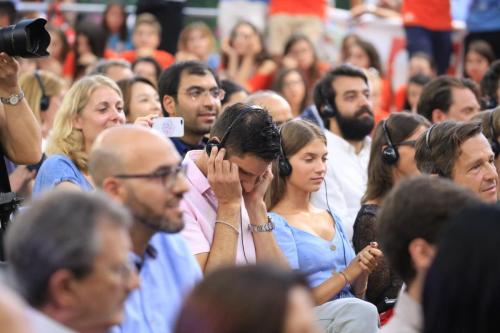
x,y
203,80
347,83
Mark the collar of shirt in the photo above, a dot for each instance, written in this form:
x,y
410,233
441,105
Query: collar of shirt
x,y
183,147
150,252
343,144
409,311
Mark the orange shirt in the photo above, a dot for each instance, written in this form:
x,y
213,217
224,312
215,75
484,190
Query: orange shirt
x,y
298,7
429,14
164,58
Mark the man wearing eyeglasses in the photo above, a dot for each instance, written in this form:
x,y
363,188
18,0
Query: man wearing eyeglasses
x,y
141,169
68,257
191,90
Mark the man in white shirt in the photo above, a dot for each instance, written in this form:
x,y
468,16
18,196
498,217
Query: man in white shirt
x,y
342,97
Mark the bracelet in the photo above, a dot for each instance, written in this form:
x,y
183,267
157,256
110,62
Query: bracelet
x,y
267,227
229,225
346,278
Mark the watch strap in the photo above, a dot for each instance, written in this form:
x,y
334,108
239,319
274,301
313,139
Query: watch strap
x,y
267,227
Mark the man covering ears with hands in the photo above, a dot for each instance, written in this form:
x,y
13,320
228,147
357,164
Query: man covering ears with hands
x,y
225,215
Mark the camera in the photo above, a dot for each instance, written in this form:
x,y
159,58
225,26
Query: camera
x,y
27,39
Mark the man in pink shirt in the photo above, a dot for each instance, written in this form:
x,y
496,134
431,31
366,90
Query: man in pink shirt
x,y
225,215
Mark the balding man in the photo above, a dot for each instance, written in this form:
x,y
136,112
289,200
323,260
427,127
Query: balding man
x,y
274,103
141,169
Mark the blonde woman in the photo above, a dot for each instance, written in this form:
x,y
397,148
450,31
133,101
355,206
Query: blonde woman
x,y
44,92
93,104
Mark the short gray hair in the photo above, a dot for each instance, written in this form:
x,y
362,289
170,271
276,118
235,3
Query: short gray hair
x,y
102,66
58,231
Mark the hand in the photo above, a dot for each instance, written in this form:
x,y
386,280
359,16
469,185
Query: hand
x,y
365,262
227,48
146,121
223,177
20,177
289,62
257,194
9,70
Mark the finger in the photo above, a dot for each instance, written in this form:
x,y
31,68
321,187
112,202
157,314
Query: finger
x,y
218,161
374,244
211,161
226,168
235,172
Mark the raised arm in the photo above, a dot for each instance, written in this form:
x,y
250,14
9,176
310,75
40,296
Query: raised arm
x,y
20,132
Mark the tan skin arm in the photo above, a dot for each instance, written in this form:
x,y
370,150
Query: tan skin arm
x,y
20,132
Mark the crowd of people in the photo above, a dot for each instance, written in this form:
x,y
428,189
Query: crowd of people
x,y
302,195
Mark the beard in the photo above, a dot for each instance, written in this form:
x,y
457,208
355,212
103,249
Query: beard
x,y
355,128
144,214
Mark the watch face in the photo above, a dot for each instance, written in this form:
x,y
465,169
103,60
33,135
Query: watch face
x,y
13,100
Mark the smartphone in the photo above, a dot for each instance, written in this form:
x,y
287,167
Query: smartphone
x,y
36,166
171,127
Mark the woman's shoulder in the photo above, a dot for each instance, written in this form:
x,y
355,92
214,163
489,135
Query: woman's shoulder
x,y
59,165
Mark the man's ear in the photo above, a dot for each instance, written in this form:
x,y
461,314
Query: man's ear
x,y
169,105
422,254
59,289
438,116
114,189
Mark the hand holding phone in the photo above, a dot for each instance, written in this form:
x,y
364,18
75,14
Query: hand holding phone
x,y
171,127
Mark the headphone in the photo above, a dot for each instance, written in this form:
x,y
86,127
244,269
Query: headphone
x,y
215,143
44,100
284,166
329,110
428,145
390,154
495,145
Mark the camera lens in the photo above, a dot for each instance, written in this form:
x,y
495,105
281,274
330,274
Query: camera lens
x,y
27,39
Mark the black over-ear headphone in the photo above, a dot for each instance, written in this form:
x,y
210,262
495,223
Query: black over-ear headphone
x,y
495,145
329,110
44,100
215,143
284,166
428,145
390,154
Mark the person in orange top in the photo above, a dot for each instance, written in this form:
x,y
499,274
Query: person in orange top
x,y
428,29
245,59
299,53
146,38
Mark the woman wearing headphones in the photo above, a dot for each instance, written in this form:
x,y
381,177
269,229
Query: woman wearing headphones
x,y
392,158
44,92
312,239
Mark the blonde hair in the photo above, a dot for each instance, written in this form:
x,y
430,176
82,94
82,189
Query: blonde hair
x,y
52,86
188,29
64,138
295,135
148,19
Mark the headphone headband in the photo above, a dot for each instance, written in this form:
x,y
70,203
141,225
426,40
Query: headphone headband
x,y
390,154
428,136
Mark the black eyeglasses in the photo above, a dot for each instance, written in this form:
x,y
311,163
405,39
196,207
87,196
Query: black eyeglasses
x,y
167,175
410,143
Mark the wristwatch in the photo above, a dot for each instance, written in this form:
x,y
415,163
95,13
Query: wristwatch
x,y
12,99
269,226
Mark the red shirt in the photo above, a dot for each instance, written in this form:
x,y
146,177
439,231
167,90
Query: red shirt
x,y
164,58
299,7
430,14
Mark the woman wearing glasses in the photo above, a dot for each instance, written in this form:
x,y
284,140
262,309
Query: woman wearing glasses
x,y
93,104
392,158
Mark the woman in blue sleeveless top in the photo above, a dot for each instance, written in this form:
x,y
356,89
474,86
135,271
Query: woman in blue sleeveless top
x,y
313,239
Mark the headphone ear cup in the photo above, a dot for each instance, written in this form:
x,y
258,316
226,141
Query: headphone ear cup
x,y
44,103
495,146
210,144
329,111
285,168
390,155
